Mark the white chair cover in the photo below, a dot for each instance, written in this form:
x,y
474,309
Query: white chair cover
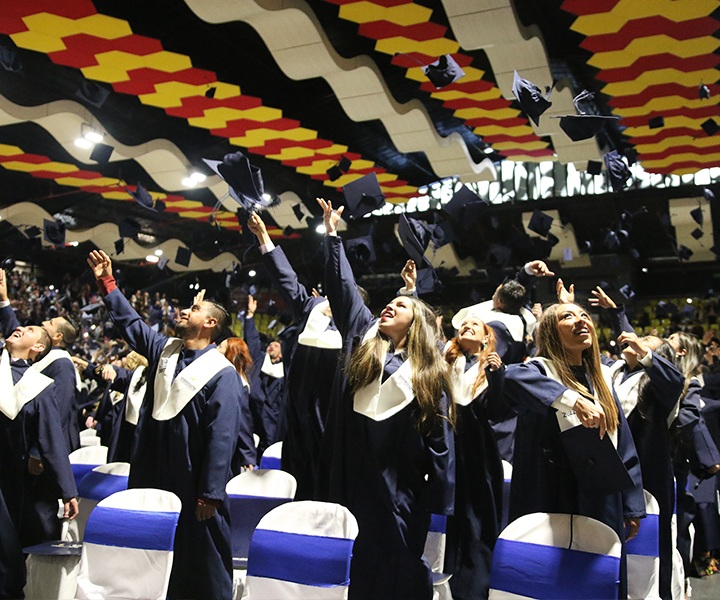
x,y
301,550
544,556
643,555
434,554
271,457
507,479
251,496
85,459
89,437
128,547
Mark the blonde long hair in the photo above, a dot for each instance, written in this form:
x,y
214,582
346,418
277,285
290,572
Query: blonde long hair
x,y
550,346
454,351
430,376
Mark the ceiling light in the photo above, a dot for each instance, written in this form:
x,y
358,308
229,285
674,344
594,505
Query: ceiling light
x,y
158,252
84,143
488,150
252,273
189,182
151,258
93,136
320,228
198,176
267,197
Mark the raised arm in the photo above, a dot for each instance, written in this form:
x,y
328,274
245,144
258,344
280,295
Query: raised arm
x,y
250,333
8,320
618,317
349,311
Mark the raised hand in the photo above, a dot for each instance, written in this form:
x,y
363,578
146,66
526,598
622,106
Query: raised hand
x,y
3,286
330,217
100,264
257,226
601,299
540,269
565,296
199,297
252,306
631,339
409,275
590,415
494,361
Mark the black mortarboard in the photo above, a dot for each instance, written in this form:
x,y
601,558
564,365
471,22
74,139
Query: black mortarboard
x,y
10,60
631,155
530,98
612,241
498,255
634,253
413,237
683,252
697,215
715,249
344,164
582,126
362,196
595,461
54,232
709,194
298,212
710,127
441,233
627,291
8,264
183,256
540,223
32,231
703,91
457,208
142,197
244,179
334,173
101,153
210,92
584,246
128,227
92,93
443,71
617,171
288,231
361,249
553,240
427,281
656,122
594,167
162,263
119,246
697,233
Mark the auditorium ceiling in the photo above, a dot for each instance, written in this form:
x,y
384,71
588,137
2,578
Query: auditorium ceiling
x,y
299,85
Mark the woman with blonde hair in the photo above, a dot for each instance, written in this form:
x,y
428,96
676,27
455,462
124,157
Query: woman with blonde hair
x,y
563,388
393,461
477,380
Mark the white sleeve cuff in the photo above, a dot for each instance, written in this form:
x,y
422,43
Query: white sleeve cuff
x,y
528,269
265,248
405,291
647,360
4,303
566,402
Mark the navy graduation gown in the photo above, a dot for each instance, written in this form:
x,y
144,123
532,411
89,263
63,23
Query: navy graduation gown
x,y
475,524
266,393
387,473
12,560
309,375
189,455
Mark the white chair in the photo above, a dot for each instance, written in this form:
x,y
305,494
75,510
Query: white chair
x,y
271,457
643,555
434,554
301,550
89,437
251,496
544,555
85,459
128,547
507,480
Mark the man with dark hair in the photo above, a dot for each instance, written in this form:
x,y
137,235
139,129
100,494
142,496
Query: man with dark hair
x,y
187,431
29,421
510,297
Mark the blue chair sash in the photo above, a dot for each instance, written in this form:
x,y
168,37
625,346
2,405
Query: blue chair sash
x,y
647,541
124,528
98,486
305,559
80,470
547,572
438,523
270,462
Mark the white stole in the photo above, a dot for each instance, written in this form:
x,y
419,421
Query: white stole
x,y
316,333
14,397
485,312
381,400
272,369
627,390
135,398
568,420
171,396
462,381
116,397
51,357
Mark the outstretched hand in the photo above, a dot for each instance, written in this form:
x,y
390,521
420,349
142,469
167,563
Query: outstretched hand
x,y
257,226
100,264
540,269
601,299
409,275
252,306
631,339
3,286
565,296
199,297
330,217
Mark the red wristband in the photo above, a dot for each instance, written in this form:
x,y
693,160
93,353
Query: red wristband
x,y
106,284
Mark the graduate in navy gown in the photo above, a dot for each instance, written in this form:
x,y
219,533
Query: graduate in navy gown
x,y
187,432
394,453
267,383
29,425
310,366
565,386
477,373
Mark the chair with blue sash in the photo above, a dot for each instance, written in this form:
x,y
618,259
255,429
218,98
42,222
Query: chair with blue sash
x,y
128,547
301,550
507,480
558,556
85,459
89,437
643,555
251,496
271,457
434,554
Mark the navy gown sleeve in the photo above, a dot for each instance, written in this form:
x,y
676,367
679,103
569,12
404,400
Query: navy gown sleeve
x,y
439,494
138,334
667,382
8,320
527,388
702,451
350,314
246,451
221,423
122,379
252,339
286,281
619,321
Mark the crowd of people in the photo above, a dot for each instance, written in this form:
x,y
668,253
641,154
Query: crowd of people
x,y
396,417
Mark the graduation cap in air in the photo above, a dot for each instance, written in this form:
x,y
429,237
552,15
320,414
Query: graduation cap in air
x,y
617,171
162,263
144,199
710,127
119,246
427,281
128,228
627,291
463,205
362,196
498,255
414,238
336,171
33,231
697,233
183,256
530,97
582,126
697,215
54,232
441,233
656,122
443,71
101,152
92,93
684,253
709,194
8,264
703,92
244,180
10,60
361,249
540,223
594,167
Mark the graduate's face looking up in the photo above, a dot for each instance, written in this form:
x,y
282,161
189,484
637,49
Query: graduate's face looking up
x,y
396,317
27,342
274,351
193,320
574,328
472,331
